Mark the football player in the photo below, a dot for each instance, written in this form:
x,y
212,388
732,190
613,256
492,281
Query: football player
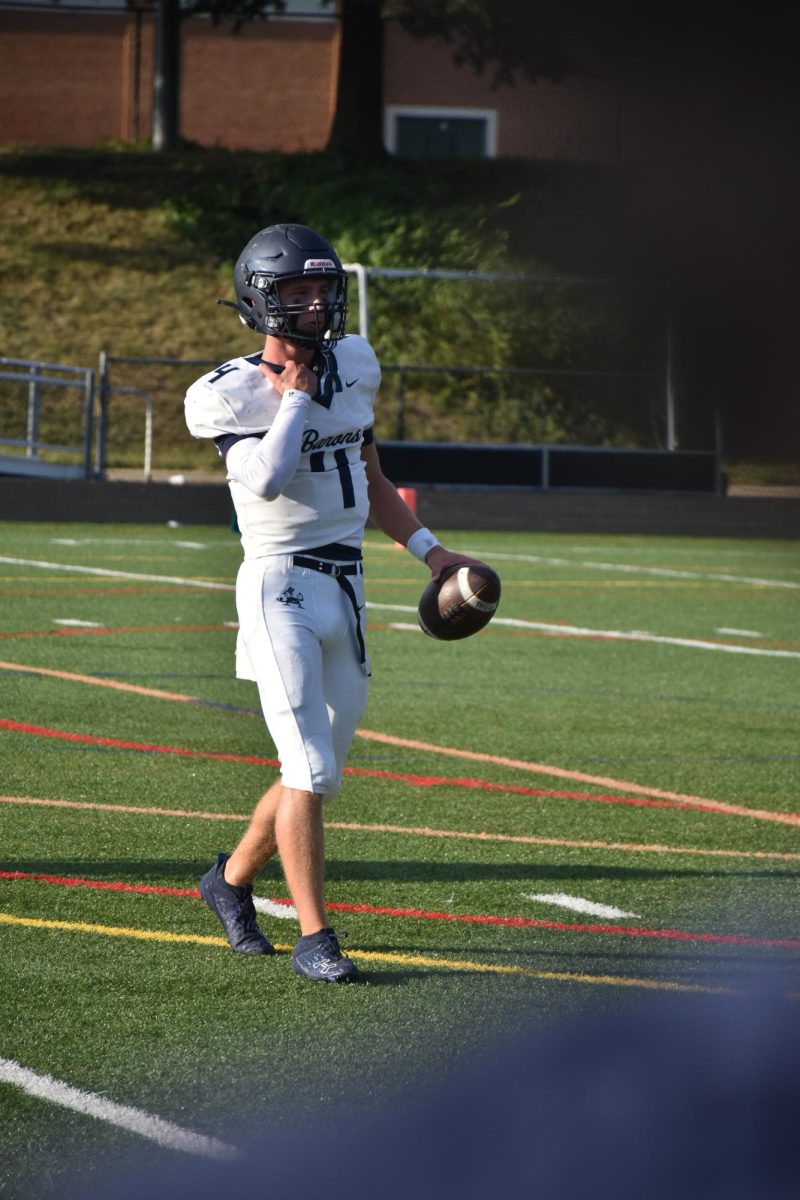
x,y
294,425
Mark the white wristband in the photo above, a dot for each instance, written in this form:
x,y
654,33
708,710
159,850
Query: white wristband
x,y
296,394
421,543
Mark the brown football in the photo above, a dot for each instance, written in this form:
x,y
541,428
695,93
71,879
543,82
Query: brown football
x,y
461,603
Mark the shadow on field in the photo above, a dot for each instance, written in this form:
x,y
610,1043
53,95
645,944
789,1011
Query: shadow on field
x,y
465,872
397,870
684,1097
132,871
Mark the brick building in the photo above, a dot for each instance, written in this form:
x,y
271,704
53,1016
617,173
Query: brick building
x,y
82,76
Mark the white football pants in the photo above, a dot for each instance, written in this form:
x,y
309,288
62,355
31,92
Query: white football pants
x,y
297,640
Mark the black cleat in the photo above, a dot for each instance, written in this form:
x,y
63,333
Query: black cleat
x,y
317,956
235,909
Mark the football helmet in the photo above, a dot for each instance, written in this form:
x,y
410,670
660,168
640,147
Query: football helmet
x,y
283,252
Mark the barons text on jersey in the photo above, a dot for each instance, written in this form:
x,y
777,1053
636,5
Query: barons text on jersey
x,y
329,489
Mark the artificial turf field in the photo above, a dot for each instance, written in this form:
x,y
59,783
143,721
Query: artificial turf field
x,y
592,805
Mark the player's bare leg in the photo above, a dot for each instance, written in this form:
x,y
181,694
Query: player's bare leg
x,y
291,821
258,844
300,836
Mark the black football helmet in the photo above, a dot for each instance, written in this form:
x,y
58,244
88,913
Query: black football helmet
x,y
283,252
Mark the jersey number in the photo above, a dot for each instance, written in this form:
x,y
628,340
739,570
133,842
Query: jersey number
x,y
317,463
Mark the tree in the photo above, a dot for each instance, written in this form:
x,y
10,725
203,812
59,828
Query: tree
x,y
166,82
507,38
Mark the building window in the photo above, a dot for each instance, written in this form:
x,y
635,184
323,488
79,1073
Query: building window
x,y
413,132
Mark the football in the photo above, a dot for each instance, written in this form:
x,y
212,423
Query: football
x,y
459,604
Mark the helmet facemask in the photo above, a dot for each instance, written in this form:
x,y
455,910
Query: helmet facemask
x,y
262,309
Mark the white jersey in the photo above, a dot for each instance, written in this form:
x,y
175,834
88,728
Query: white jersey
x,y
326,499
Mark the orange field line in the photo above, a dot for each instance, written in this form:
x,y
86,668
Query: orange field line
x,y
738,810
113,684
699,802
420,831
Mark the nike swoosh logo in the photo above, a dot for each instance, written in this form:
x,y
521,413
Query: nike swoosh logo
x,y
350,382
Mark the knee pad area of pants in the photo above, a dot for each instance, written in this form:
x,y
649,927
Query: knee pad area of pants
x,y
320,773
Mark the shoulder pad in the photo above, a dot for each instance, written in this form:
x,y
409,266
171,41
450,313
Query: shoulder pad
x,y
231,400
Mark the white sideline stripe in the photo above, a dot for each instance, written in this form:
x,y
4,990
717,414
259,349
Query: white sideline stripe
x,y
574,630
578,904
156,1129
667,572
102,541
284,912
632,635
50,566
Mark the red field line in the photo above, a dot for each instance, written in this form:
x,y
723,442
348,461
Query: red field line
x,y
82,630
65,590
672,799
681,799
411,780
120,744
425,915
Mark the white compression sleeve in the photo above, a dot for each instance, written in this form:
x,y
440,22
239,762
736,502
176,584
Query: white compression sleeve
x,y
265,466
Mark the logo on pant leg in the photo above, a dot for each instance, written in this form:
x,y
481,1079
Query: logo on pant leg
x,y
289,596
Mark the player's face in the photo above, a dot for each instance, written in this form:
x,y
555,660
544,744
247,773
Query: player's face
x,y
309,297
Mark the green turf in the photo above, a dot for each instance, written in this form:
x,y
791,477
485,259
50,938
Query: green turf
x,y
181,1030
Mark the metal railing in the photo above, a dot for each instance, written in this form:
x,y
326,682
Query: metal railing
x,y
107,390
41,455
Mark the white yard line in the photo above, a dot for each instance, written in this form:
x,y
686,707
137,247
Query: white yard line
x,y
578,904
114,574
115,541
628,568
283,912
753,633
545,627
78,622
156,1129
632,635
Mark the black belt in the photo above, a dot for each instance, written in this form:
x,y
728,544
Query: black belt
x,y
339,571
327,568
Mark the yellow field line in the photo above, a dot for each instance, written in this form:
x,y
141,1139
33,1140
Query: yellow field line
x,y
142,935
406,960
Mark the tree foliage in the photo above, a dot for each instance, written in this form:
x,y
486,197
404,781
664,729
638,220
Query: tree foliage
x,y
505,39
508,39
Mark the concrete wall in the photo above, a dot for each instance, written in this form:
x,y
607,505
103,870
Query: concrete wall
x,y
440,508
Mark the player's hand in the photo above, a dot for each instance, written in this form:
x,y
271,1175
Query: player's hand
x,y
440,558
294,375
